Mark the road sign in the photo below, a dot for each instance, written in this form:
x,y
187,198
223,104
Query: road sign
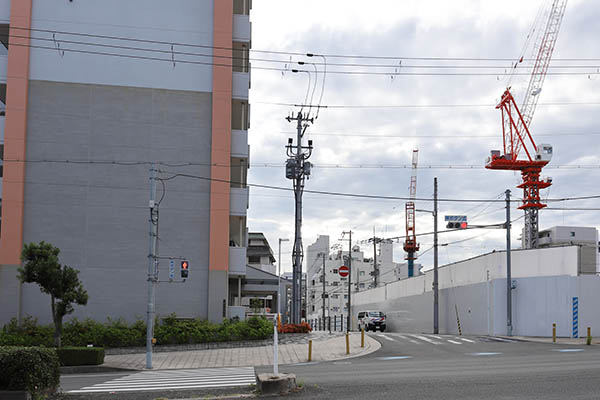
x,y
455,218
171,269
343,271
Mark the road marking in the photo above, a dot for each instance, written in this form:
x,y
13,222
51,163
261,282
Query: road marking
x,y
426,339
343,362
499,339
175,379
394,358
306,363
405,338
567,350
464,339
453,342
436,337
484,354
385,336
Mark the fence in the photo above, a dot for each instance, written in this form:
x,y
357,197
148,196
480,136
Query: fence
x,y
333,323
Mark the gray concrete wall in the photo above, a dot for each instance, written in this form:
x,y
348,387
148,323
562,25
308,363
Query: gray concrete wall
x,y
97,214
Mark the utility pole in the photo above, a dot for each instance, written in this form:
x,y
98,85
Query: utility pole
x,y
375,240
349,277
152,260
297,168
508,272
436,308
324,294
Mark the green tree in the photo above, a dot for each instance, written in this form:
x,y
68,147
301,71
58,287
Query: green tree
x,y
61,282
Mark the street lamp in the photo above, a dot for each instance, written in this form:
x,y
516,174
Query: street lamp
x,y
275,325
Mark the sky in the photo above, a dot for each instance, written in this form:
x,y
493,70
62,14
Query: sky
x,y
450,119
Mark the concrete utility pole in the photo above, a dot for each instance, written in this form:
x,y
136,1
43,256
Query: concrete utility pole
x,y
375,240
297,168
349,277
509,327
152,260
436,307
324,293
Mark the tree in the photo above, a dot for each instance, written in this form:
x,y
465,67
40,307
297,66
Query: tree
x,y
61,282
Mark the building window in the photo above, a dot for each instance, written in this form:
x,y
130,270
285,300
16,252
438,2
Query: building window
x,y
335,283
572,234
345,296
242,7
313,308
362,285
254,259
241,55
335,271
362,273
335,296
239,115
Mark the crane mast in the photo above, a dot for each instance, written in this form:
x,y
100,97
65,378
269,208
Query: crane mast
x,y
410,244
516,133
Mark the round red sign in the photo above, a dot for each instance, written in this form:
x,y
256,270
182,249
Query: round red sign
x,y
344,271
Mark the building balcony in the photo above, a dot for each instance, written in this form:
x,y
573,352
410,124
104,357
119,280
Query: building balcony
x,y
3,65
240,85
239,144
242,28
238,201
237,261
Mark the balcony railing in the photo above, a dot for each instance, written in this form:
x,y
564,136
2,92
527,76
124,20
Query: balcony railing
x,y
237,260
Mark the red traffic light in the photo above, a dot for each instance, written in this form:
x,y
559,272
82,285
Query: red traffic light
x,y
463,225
184,265
185,269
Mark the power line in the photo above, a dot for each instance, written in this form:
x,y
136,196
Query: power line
x,y
369,106
293,53
349,73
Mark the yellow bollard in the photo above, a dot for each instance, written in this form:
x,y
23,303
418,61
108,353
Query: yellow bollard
x,y
309,350
347,343
589,336
554,333
362,338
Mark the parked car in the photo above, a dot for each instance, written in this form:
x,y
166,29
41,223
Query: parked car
x,y
371,320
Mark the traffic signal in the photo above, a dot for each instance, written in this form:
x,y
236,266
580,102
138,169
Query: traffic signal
x,y
457,225
185,268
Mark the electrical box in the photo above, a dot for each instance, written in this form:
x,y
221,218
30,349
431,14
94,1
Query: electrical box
x,y
291,166
543,152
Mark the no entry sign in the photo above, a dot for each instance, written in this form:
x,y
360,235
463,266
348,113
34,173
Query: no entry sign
x,y
344,271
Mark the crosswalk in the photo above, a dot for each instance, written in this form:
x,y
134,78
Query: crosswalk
x,y
419,339
175,379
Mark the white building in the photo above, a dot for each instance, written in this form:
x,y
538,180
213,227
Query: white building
x,y
322,264
585,237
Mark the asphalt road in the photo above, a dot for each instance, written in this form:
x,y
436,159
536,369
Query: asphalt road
x,y
451,367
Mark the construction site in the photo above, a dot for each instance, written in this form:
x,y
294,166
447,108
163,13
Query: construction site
x,y
552,280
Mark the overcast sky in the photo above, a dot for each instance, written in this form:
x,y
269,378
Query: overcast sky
x,y
445,136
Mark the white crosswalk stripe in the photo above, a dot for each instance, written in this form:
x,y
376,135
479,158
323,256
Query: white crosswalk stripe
x,y
175,379
425,338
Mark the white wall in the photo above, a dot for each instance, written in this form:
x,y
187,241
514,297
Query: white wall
x,y
543,296
180,21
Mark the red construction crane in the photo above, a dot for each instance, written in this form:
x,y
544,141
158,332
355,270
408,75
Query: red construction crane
x,y
516,133
410,244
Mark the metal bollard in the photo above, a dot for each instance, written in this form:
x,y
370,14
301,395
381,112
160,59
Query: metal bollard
x,y
589,336
309,350
554,333
362,337
347,343
335,323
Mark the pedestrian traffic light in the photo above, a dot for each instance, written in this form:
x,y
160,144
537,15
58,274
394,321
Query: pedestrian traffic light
x,y
185,268
457,225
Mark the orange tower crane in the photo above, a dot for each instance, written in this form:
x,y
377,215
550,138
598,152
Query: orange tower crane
x,y
410,244
516,133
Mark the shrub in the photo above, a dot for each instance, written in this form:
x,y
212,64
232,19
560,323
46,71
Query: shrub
x,y
34,369
118,333
302,327
80,355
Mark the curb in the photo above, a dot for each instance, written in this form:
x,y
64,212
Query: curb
x,y
90,369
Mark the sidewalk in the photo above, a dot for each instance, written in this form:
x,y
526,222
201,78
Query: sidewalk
x,y
324,348
559,340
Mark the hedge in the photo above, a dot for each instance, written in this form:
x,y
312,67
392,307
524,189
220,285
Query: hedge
x,y
80,355
118,333
34,369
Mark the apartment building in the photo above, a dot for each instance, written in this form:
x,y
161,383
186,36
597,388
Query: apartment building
x,y
96,91
323,264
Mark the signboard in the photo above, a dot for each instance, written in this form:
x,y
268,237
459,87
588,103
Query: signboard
x,y
171,269
344,271
455,218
